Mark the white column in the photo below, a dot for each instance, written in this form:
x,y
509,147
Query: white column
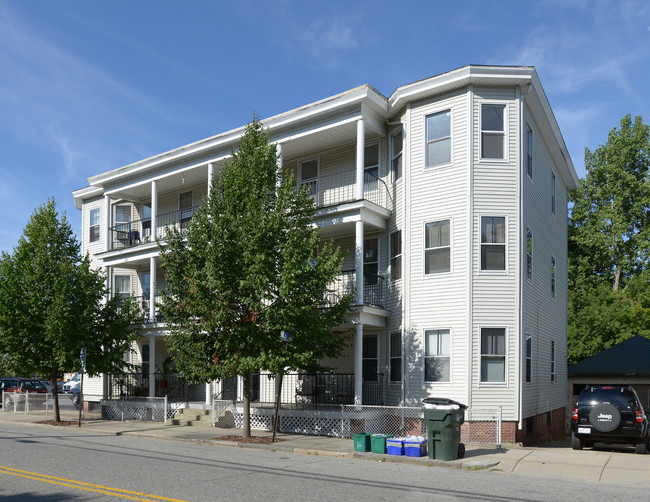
x,y
358,262
361,145
210,176
208,393
107,223
278,160
152,289
358,364
152,366
154,208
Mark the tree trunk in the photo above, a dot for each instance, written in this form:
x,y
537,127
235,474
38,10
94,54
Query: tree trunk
x,y
55,393
246,432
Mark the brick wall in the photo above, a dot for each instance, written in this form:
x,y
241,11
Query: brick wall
x,y
542,428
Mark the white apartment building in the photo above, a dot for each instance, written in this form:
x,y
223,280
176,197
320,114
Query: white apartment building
x,y
450,196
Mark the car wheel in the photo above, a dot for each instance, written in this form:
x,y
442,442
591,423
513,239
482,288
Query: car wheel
x,y
576,442
605,417
642,447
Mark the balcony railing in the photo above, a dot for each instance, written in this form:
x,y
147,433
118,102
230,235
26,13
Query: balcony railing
x,y
374,288
133,233
340,187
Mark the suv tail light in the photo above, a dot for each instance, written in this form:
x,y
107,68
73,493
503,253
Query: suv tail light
x,y
575,415
639,416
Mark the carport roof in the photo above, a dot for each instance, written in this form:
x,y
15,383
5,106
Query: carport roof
x,y
631,357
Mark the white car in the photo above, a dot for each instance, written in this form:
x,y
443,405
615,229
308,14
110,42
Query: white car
x,y
73,383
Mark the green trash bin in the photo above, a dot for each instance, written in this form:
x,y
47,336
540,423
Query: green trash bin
x,y
362,441
443,418
378,442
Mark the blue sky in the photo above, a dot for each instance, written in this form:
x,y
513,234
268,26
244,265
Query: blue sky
x,y
90,86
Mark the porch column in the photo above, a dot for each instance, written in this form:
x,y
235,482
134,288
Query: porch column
x,y
361,145
154,209
152,366
210,176
107,224
358,262
358,364
208,393
152,289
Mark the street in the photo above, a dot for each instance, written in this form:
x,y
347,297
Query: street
x,y
65,463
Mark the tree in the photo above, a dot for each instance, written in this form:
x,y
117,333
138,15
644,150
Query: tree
x,y
609,243
250,265
53,304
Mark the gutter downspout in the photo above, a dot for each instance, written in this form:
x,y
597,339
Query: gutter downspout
x,y
406,152
470,254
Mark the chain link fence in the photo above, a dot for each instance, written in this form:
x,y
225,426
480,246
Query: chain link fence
x,y
35,403
152,409
481,427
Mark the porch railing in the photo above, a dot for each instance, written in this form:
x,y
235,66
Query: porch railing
x,y
374,288
129,385
143,302
340,187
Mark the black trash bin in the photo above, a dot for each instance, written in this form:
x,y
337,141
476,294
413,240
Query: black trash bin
x,y
443,418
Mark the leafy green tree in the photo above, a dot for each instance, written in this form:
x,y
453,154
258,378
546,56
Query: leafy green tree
x,y
53,304
250,265
609,243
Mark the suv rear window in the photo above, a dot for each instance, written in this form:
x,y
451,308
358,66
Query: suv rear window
x,y
8,384
617,396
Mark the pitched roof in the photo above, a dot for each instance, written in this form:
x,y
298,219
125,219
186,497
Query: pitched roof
x,y
631,357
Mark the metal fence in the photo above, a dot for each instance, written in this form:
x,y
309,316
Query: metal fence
x,y
346,420
152,409
35,403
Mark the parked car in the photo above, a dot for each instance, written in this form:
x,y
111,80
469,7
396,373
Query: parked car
x,y
609,414
13,384
73,383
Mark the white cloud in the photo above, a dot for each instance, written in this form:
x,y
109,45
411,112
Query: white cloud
x,y
328,39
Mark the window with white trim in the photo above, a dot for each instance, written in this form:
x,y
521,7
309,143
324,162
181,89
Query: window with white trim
x,y
553,193
369,365
552,361
437,247
552,276
396,255
396,146
493,132
395,356
94,225
437,355
529,255
438,134
493,243
529,152
493,355
123,286
309,176
371,166
529,357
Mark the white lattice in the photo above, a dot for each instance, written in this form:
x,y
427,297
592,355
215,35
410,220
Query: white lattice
x,y
149,409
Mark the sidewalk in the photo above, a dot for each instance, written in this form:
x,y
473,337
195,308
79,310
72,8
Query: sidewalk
x,y
618,467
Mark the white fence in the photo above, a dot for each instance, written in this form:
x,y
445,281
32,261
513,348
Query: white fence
x,y
35,403
153,409
482,426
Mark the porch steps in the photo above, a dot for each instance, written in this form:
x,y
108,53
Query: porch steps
x,y
192,417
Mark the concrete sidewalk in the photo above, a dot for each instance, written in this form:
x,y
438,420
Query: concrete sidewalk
x,y
618,467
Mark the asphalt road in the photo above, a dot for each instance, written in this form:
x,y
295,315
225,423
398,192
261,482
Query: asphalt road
x,y
53,464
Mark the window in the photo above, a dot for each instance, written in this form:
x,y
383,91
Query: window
x,y
436,355
185,203
529,358
437,247
438,139
493,132
371,289
145,359
309,176
529,255
552,361
493,243
396,255
396,146
552,276
396,357
553,193
371,166
529,152
370,358
123,286
493,355
122,217
94,225
146,221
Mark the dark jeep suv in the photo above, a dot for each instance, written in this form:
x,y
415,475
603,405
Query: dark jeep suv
x,y
609,414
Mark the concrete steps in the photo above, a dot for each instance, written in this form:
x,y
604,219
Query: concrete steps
x,y
192,417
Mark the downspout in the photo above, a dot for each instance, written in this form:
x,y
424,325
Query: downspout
x,y
520,283
470,255
406,157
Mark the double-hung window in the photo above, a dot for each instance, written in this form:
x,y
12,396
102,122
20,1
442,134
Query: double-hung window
x,y
529,255
493,243
371,166
552,360
396,255
529,358
553,193
438,133
309,176
437,355
371,289
123,287
529,152
493,132
94,225
396,356
396,145
437,247
493,355
552,276
369,369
